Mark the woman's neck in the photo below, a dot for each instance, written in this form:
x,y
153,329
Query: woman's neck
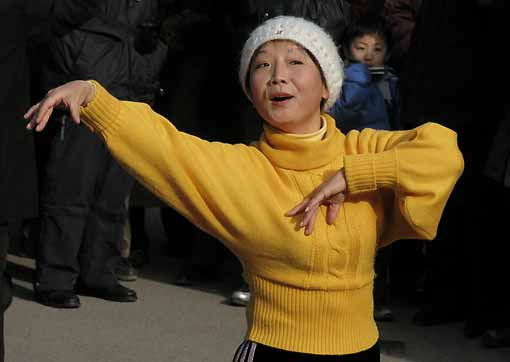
x,y
302,131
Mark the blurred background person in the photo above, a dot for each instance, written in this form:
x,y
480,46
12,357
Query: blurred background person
x,y
83,199
489,314
21,24
436,81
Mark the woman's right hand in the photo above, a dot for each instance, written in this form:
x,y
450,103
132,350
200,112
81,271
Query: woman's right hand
x,y
330,193
70,96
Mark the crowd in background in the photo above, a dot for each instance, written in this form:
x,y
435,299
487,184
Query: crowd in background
x,y
440,53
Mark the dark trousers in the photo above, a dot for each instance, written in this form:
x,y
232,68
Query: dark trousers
x,y
490,306
249,351
448,261
82,212
179,232
5,286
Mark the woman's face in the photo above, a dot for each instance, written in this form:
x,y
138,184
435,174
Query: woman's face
x,y
286,87
369,49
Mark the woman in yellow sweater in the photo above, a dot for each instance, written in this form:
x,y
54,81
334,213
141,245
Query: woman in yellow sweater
x,y
311,291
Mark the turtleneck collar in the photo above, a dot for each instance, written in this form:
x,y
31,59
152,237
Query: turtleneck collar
x,y
314,136
298,153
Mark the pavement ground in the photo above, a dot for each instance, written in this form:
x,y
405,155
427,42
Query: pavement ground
x,y
185,324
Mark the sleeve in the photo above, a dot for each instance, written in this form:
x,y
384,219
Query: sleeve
x,y
207,182
420,167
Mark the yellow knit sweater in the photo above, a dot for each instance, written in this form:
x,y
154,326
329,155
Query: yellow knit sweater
x,y
310,294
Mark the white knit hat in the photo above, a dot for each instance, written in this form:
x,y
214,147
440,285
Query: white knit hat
x,y
305,33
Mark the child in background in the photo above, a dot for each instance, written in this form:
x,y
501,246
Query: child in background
x,y
370,96
369,99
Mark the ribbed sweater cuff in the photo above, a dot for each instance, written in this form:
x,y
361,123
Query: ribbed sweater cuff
x,y
101,114
369,172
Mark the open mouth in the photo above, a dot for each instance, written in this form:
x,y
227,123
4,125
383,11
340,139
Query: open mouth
x,y
280,98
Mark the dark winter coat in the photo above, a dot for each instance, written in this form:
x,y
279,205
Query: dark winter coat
x,y
493,106
20,21
119,47
438,80
400,17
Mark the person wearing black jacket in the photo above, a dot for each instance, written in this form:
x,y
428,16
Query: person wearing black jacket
x,y
84,189
437,79
22,23
489,312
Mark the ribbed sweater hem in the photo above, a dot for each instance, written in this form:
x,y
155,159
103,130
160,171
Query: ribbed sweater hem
x,y
324,322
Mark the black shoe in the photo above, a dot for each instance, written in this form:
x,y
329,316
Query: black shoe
x,y
496,338
116,293
125,271
58,298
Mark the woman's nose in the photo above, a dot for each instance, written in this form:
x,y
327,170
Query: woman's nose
x,y
276,80
279,74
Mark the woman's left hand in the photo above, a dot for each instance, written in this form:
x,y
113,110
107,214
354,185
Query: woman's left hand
x,y
330,193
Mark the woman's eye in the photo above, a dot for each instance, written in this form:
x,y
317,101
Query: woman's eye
x,y
293,62
261,65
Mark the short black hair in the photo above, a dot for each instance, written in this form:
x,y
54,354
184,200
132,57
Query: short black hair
x,y
375,27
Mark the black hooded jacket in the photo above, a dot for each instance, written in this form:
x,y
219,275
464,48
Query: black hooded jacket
x,y
119,47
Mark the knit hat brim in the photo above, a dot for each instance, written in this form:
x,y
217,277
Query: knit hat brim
x,y
308,35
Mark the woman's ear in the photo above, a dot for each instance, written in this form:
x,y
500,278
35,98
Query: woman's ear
x,y
325,92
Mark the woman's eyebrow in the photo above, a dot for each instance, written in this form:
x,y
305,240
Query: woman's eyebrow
x,y
260,51
299,48
302,51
